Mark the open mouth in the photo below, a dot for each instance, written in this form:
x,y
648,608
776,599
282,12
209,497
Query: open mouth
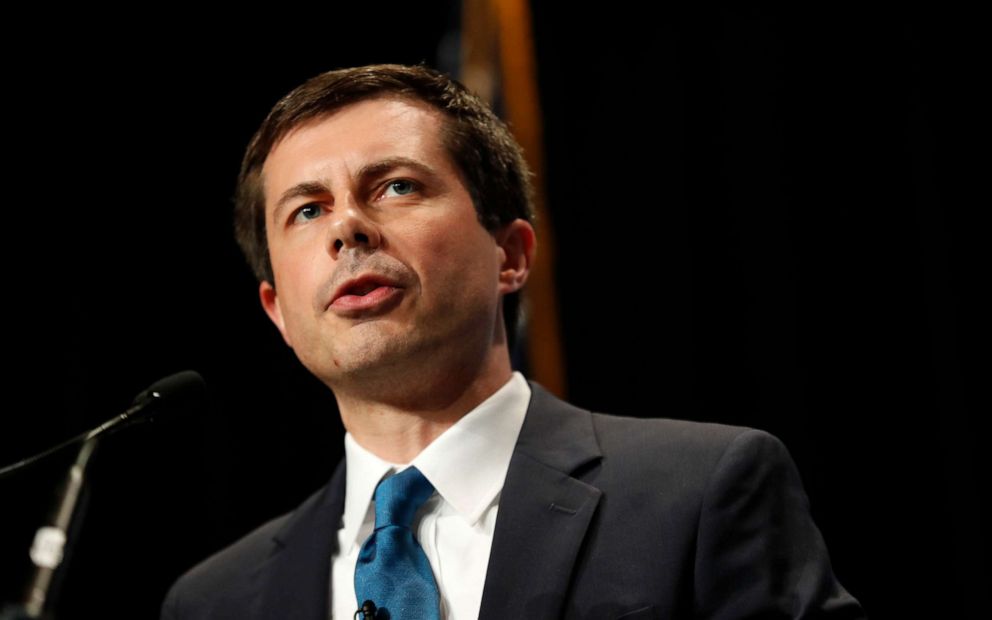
x,y
364,295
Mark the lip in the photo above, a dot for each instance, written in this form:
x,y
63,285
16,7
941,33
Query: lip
x,y
385,293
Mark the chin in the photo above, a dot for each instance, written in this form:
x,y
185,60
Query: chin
x,y
363,366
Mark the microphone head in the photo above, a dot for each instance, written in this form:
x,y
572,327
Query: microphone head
x,y
182,388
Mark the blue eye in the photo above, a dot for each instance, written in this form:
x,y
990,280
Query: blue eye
x,y
307,212
401,187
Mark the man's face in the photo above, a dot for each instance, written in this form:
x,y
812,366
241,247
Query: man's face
x,y
381,266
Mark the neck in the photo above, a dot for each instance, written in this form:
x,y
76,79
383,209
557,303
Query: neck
x,y
397,422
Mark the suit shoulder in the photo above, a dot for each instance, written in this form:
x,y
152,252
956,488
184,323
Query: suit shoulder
x,y
692,452
244,552
226,584
228,570
669,434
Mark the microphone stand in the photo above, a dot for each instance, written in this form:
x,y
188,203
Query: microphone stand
x,y
51,541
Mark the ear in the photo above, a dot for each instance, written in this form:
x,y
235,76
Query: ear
x,y
270,303
516,246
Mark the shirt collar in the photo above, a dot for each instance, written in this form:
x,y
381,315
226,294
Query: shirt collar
x,y
467,463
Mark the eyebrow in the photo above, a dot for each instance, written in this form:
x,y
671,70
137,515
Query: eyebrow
x,y
366,172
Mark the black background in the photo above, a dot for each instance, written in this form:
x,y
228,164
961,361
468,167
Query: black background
x,y
763,217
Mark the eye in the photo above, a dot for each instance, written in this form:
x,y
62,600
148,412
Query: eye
x,y
400,187
307,212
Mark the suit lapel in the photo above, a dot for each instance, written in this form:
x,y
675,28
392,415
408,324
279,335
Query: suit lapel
x,y
295,581
543,512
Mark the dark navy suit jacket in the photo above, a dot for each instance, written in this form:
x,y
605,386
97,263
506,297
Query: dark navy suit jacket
x,y
600,517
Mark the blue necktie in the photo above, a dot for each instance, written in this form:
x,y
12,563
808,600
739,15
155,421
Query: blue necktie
x,y
392,569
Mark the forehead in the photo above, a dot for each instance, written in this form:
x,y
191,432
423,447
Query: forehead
x,y
330,147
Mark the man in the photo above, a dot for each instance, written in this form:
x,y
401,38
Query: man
x,y
387,215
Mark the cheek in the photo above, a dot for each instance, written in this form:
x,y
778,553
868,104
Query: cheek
x,y
465,266
296,284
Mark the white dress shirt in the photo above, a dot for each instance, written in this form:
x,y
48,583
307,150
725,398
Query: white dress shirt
x,y
467,465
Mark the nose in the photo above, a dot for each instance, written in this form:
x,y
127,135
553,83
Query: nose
x,y
353,229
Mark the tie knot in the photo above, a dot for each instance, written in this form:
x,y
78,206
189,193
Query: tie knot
x,y
398,497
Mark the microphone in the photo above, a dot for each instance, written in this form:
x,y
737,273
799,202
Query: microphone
x,y
181,385
367,610
180,388
164,395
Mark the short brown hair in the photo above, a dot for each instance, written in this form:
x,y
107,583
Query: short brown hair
x,y
479,143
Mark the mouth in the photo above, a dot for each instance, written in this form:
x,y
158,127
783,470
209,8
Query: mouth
x,y
365,294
